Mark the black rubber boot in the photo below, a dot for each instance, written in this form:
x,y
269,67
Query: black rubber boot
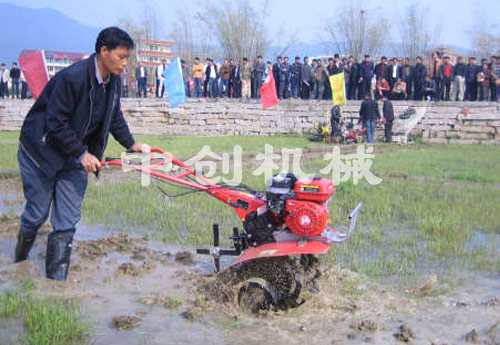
x,y
57,261
23,247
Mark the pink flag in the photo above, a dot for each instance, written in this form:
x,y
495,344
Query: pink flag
x,y
268,95
35,72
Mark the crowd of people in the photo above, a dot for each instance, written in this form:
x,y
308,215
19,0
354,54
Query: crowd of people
x,y
395,79
12,82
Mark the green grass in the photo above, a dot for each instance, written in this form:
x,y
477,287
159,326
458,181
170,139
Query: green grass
x,y
474,163
48,322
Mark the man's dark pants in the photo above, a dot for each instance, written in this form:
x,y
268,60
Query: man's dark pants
x,y
446,88
141,85
64,193
388,131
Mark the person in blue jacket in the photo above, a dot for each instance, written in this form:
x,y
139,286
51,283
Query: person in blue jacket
x,y
63,138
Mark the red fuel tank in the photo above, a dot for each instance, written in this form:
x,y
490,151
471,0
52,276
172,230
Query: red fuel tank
x,y
318,189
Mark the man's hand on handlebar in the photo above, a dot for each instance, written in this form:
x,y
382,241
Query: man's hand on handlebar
x,y
90,162
144,148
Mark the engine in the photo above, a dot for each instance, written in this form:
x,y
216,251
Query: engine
x,y
297,204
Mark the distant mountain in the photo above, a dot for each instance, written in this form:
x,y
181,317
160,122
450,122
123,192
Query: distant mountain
x,y
44,28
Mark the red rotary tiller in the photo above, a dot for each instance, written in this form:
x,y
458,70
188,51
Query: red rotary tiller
x,y
285,225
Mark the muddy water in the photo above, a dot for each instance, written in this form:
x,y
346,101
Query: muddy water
x,y
114,275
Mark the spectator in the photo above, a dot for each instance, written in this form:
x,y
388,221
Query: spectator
x,y
160,80
407,73
24,87
394,72
434,68
399,91
284,77
276,73
258,69
459,76
368,114
4,81
246,76
350,73
236,80
15,74
419,79
332,69
388,111
185,78
381,69
296,77
198,77
359,80
383,88
366,75
484,79
471,73
320,75
206,72
141,75
446,75
213,86
339,67
306,75
225,75
493,89
495,73
429,88
314,63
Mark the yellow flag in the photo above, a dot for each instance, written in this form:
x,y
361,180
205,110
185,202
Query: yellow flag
x,y
338,88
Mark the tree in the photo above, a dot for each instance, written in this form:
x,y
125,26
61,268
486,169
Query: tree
x,y
238,28
416,33
485,39
354,32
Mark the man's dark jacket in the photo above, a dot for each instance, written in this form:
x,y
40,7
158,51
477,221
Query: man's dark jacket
x,y
138,72
388,111
369,110
366,70
54,129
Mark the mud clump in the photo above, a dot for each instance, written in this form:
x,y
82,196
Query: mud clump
x,y
121,243
404,334
167,302
472,337
285,282
365,325
428,286
126,322
129,269
492,302
184,258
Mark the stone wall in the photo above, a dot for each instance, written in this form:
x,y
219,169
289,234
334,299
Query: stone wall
x,y
436,122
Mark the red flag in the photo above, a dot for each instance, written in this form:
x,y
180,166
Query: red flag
x,y
35,72
268,95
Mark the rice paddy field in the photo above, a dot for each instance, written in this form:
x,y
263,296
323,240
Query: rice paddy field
x,y
436,213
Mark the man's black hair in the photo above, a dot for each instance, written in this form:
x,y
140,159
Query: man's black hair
x,y
183,61
336,56
279,57
259,57
113,37
418,57
286,57
330,59
297,58
14,63
197,58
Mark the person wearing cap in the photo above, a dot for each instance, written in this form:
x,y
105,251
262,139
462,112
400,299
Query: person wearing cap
x,y
296,77
366,75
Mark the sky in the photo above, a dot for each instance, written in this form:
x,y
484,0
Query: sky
x,y
304,17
